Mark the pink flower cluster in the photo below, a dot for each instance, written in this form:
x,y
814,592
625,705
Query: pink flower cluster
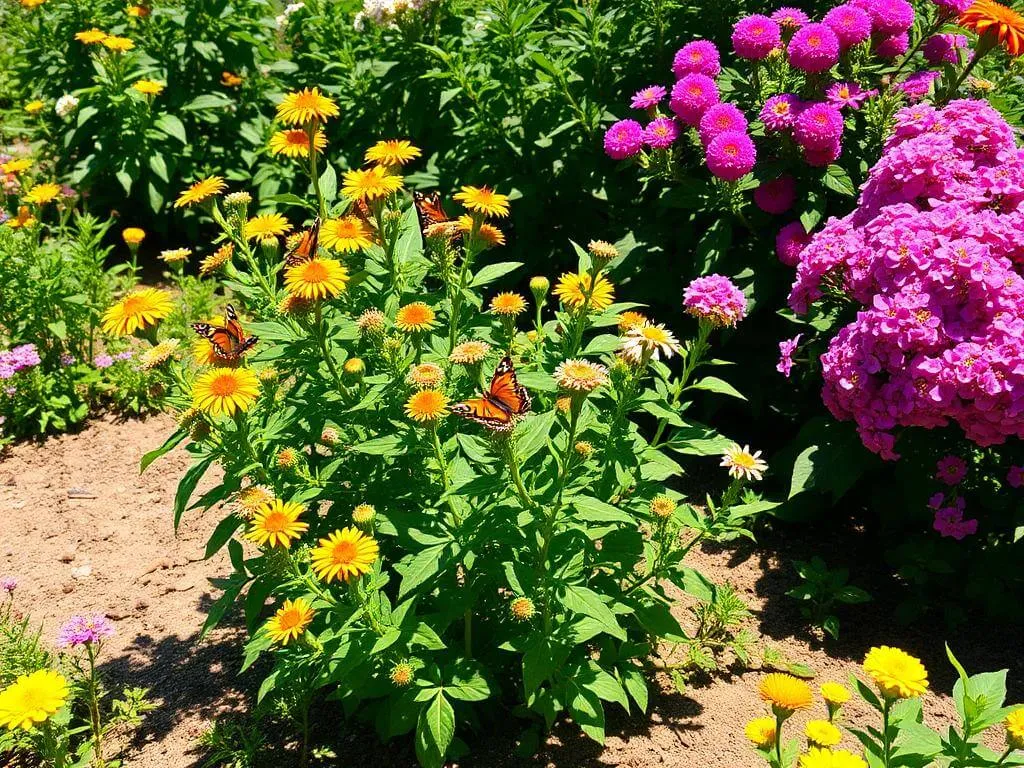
x,y
933,256
18,359
716,300
84,630
949,517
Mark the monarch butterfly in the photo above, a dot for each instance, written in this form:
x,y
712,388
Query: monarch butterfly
x,y
505,399
430,211
305,249
229,340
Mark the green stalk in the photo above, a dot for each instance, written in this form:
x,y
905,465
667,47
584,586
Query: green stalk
x,y
321,337
94,709
985,44
779,720
693,355
313,175
886,742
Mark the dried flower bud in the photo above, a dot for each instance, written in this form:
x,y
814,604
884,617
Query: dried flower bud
x,y
287,458
602,252
329,436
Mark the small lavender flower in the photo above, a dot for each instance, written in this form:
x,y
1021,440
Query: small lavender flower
x,y
84,630
8,584
126,355
103,361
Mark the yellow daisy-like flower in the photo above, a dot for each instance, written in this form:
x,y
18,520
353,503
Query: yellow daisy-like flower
x,y
133,235
266,227
346,235
402,674
744,464
628,320
508,303
316,279
1014,724
41,194
392,152
290,621
414,317
23,219
305,106
276,523
370,183
137,11
294,142
91,36
836,694
821,733
581,375
522,609
649,341
175,255
204,353
426,406
217,259
483,200
488,233
31,3
761,732
662,506
572,289
345,554
785,693
425,375
225,390
117,44
16,166
148,87
469,352
32,699
897,674
156,356
831,758
354,366
200,191
35,107
139,309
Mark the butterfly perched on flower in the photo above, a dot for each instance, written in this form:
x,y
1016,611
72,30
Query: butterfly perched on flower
x,y
432,216
306,248
505,399
229,340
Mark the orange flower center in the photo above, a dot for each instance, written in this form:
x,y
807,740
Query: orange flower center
x,y
133,305
344,552
290,619
224,386
276,522
314,272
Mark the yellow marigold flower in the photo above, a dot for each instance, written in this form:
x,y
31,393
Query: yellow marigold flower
x,y
402,674
148,87
33,698
345,554
175,255
290,621
580,375
426,406
563,404
761,732
31,3
156,356
1014,723
266,227
785,693
469,352
91,36
294,142
133,235
488,233
522,609
139,309
414,317
370,183
835,693
276,523
897,674
34,107
662,506
354,366
253,499
316,279
217,259
821,733
392,152
204,353
584,449
16,166
200,191
225,390
40,194
230,79
572,289
345,235
483,200
831,758
117,44
628,320
137,11
425,375
306,106
363,514
508,303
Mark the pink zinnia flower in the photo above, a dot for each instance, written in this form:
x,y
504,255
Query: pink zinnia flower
x,y
943,49
624,139
779,112
692,95
731,155
953,7
819,127
918,85
888,17
819,157
790,242
848,95
661,133
814,48
1015,477
851,24
776,196
786,350
790,18
951,470
697,57
719,119
950,523
754,37
716,300
648,97
891,47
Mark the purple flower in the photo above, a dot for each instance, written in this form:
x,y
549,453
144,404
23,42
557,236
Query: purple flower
x,y
719,119
951,470
661,133
126,355
786,350
776,196
731,155
790,18
8,584
943,49
1015,477
84,630
819,157
848,95
692,95
648,97
716,300
779,112
624,139
698,57
754,37
814,48
918,85
7,370
67,359
888,17
891,47
818,127
949,521
953,7
851,24
25,356
790,241
103,361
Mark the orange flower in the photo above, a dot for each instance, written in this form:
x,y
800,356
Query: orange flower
x,y
1004,24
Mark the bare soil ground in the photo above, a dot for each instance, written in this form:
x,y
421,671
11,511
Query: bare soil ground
x,y
115,552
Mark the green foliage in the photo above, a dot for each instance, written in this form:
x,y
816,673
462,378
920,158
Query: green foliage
x,y
821,590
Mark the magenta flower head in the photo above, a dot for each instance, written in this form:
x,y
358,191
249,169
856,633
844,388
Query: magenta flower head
x,y
84,630
814,48
918,85
731,155
624,139
851,24
776,196
949,522
698,57
103,361
1015,477
888,17
847,95
891,47
715,300
786,350
951,470
943,49
779,112
719,119
754,37
648,97
819,126
790,18
822,156
692,95
8,584
661,133
953,7
790,242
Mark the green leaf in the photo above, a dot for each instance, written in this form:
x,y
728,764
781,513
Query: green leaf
x,y
586,709
587,602
596,511
636,685
187,486
467,682
532,434
435,729
224,531
388,445
329,183
425,564
171,126
207,101
492,272
715,384
838,180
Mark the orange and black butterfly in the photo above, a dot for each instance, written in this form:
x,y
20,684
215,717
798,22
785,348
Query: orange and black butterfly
x,y
305,249
229,340
430,211
501,403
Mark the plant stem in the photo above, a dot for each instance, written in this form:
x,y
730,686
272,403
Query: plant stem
x,y
313,175
321,337
94,710
778,739
886,744
693,356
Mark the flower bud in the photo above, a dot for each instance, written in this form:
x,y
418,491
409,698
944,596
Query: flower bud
x,y
662,507
287,458
329,436
539,286
522,609
364,515
584,449
402,674
602,252
354,366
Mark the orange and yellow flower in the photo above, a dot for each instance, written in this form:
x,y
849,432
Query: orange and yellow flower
x,y
138,310
41,194
345,235
290,621
277,523
392,152
316,279
225,391
415,317
1003,24
16,166
426,406
117,44
148,87
91,36
344,554
266,227
483,200
294,142
370,183
306,106
200,191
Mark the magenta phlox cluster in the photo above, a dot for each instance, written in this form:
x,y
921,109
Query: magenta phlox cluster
x,y
18,359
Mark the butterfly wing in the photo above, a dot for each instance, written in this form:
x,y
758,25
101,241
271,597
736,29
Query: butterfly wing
x,y
483,411
229,340
307,246
506,391
429,210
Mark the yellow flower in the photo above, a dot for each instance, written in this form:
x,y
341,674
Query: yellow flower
x,y
829,758
761,732
287,458
225,390
821,733
426,406
290,621
156,356
402,674
370,183
835,693
137,11
34,107
572,289
306,106
483,200
230,79
32,699
1014,723
602,251
414,317
266,227
139,309
347,234
649,342
203,352
148,87
522,609
276,523
354,366
628,320
580,375
316,279
133,235
508,303
363,514
344,554
488,233
200,191
897,674
117,44
294,142
392,152
469,352
662,506
785,693
425,375
91,36
175,255
252,499
41,194
217,259
31,3
16,166
23,219
744,464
